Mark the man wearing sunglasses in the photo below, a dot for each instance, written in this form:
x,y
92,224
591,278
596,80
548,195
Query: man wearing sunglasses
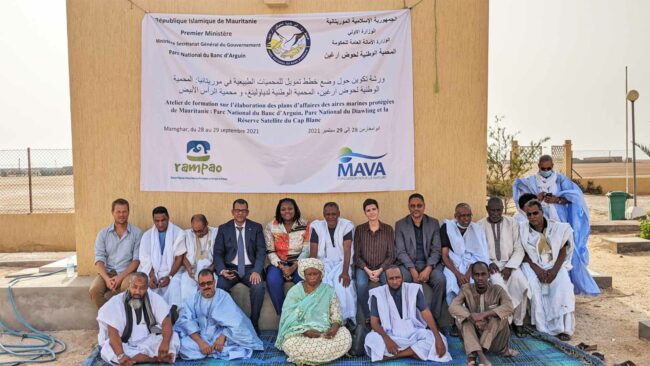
x,y
212,325
549,247
562,201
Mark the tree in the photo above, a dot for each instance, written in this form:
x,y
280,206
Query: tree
x,y
644,148
503,166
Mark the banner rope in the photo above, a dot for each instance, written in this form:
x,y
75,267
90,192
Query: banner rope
x,y
137,6
436,85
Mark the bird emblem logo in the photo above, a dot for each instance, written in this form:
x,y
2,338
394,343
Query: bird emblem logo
x,y
288,42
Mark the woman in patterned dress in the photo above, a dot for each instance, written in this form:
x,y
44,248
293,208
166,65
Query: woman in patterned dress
x,y
287,239
310,330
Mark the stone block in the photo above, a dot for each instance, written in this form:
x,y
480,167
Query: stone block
x,y
628,244
644,330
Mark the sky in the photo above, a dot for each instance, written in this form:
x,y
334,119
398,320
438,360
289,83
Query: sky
x,y
556,69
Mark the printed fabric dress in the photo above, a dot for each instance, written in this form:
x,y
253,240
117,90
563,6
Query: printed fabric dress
x,y
317,310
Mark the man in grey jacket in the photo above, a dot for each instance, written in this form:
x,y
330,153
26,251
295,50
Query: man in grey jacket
x,y
418,247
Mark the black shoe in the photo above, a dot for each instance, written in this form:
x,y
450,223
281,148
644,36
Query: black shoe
x,y
519,331
453,331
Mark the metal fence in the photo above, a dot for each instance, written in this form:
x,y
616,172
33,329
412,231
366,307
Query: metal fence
x,y
36,181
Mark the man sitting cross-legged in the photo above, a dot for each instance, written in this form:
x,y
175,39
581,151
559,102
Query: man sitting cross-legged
x,y
212,325
135,327
481,310
399,316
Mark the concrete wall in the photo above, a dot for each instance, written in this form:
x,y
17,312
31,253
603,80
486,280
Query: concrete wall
x,y
37,233
618,184
104,55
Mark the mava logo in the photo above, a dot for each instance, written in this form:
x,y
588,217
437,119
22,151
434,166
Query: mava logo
x,y
288,42
358,169
198,150
197,153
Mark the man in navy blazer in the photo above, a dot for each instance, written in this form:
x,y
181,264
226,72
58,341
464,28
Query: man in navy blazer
x,y
232,265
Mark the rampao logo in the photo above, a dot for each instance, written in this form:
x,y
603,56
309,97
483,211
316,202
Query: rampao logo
x,y
288,42
359,169
198,150
197,153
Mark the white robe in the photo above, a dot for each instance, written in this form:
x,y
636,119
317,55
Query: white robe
x,y
150,257
408,331
141,341
467,249
332,255
188,285
512,254
548,185
552,306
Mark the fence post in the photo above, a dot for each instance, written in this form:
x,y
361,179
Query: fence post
x,y
568,159
29,175
514,150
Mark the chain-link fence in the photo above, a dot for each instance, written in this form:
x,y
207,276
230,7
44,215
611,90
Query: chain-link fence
x,y
36,181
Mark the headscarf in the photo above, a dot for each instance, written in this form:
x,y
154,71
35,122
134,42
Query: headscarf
x,y
305,263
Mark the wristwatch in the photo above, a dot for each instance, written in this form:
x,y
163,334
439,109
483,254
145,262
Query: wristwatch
x,y
120,356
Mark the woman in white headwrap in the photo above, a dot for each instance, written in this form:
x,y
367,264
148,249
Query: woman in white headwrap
x,y
310,327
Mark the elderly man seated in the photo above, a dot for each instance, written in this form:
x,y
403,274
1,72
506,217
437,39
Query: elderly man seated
x,y
482,310
399,316
134,326
211,324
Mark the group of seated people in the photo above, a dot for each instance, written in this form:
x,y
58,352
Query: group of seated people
x,y
177,283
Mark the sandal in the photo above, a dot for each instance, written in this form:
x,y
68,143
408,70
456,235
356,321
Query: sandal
x,y
599,356
510,353
520,331
625,363
564,337
587,347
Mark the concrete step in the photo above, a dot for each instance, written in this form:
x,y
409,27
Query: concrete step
x,y
59,265
644,330
618,226
602,280
628,244
36,259
56,302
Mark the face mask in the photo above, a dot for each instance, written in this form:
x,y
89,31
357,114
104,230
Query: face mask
x,y
546,173
461,226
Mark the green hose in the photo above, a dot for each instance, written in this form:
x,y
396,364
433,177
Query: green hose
x,y
47,347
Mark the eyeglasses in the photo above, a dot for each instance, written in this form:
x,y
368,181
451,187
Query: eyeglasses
x,y
534,213
208,283
546,169
238,211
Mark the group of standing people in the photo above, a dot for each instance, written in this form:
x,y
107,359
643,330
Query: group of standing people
x,y
488,272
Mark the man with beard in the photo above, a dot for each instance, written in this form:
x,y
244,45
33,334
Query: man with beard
x,y
135,327
481,311
212,325
399,316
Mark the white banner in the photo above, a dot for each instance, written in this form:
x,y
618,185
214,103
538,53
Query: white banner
x,y
279,103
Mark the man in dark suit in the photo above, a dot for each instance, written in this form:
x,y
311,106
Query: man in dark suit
x,y
418,247
239,253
